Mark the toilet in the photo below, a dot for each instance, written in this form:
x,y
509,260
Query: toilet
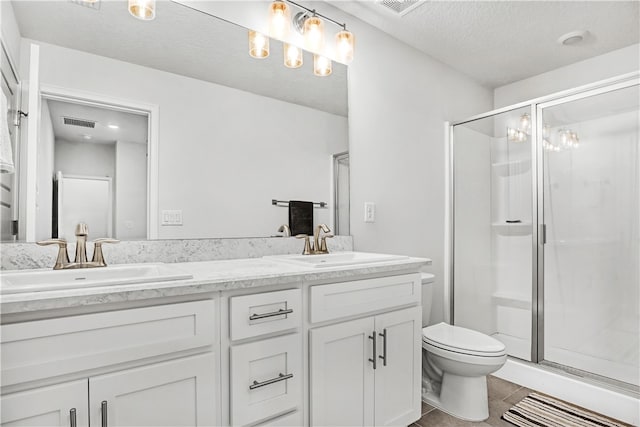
x,y
455,365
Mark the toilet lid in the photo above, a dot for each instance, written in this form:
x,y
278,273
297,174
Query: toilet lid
x,y
462,340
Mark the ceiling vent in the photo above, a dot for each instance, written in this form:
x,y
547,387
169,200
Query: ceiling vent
x,y
79,122
400,7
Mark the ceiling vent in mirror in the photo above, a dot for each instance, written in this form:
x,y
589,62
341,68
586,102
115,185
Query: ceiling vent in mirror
x,y
79,122
400,7
91,4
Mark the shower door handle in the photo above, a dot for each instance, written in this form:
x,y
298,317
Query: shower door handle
x,y
543,234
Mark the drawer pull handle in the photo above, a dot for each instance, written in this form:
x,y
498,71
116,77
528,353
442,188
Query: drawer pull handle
x,y
373,338
103,410
280,377
72,417
272,314
384,347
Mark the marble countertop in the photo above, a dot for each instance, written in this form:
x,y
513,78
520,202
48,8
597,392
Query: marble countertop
x,y
208,276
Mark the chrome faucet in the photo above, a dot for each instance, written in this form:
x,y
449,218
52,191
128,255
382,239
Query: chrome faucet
x,y
80,261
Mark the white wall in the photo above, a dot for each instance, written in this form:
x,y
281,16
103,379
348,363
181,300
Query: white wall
x,y
130,217
44,194
612,64
81,158
9,30
223,153
399,99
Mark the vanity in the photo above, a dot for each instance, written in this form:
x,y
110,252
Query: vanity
x,y
280,340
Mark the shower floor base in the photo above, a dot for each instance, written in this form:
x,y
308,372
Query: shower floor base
x,y
620,371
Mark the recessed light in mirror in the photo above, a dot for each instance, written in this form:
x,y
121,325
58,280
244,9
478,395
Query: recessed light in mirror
x,y
86,136
110,126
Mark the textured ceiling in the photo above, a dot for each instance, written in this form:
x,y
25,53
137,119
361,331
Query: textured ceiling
x,y
131,127
499,42
181,41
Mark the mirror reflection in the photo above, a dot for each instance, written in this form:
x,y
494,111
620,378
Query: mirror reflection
x,y
189,139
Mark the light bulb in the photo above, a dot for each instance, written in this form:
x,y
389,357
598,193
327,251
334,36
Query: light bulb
x,y
292,56
511,134
279,20
143,9
313,34
258,45
345,45
321,65
525,122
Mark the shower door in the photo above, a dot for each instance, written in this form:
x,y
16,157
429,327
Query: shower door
x,y
493,227
590,206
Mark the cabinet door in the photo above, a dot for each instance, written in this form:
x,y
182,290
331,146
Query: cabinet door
x,y
180,392
46,406
341,374
397,392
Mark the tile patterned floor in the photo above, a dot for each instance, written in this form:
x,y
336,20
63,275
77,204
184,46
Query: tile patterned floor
x,y
502,395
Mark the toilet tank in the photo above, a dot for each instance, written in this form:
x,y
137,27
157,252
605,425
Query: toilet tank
x,y
427,297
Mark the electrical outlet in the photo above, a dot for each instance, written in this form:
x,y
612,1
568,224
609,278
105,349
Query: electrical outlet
x,y
173,217
369,212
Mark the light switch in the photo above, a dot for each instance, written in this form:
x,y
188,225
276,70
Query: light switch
x,y
171,217
369,212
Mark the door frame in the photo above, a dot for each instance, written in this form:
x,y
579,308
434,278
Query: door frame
x,y
58,93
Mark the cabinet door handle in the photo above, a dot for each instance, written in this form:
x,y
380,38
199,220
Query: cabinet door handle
x,y
103,409
373,338
280,377
384,347
72,417
271,314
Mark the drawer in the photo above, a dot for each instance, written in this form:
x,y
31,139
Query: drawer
x,y
264,313
265,379
337,300
46,348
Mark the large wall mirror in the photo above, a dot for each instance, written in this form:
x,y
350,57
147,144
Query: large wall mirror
x,y
168,128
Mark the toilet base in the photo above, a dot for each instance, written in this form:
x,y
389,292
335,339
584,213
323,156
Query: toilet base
x,y
462,397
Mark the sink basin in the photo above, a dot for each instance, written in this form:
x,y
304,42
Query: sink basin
x,y
125,274
337,259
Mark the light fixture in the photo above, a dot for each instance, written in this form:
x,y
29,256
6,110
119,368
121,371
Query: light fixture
x,y
516,135
568,138
279,19
292,56
573,37
321,65
345,45
143,9
112,126
258,45
313,34
85,136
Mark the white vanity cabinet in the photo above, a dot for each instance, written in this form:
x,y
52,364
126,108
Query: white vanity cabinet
x,y
367,371
138,366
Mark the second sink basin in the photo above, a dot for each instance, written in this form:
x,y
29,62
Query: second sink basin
x,y
337,259
125,274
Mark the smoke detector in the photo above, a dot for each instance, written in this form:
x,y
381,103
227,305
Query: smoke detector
x,y
399,7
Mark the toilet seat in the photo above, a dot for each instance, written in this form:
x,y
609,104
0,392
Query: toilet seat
x,y
449,338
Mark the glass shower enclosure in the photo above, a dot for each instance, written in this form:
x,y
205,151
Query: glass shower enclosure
x,y
545,229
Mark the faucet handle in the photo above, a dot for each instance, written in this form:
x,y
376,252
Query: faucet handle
x,y
307,244
323,243
284,228
63,256
98,256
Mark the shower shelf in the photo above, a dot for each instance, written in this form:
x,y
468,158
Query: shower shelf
x,y
512,299
512,229
513,167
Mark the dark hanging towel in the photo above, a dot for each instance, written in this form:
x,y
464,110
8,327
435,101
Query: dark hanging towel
x,y
301,217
